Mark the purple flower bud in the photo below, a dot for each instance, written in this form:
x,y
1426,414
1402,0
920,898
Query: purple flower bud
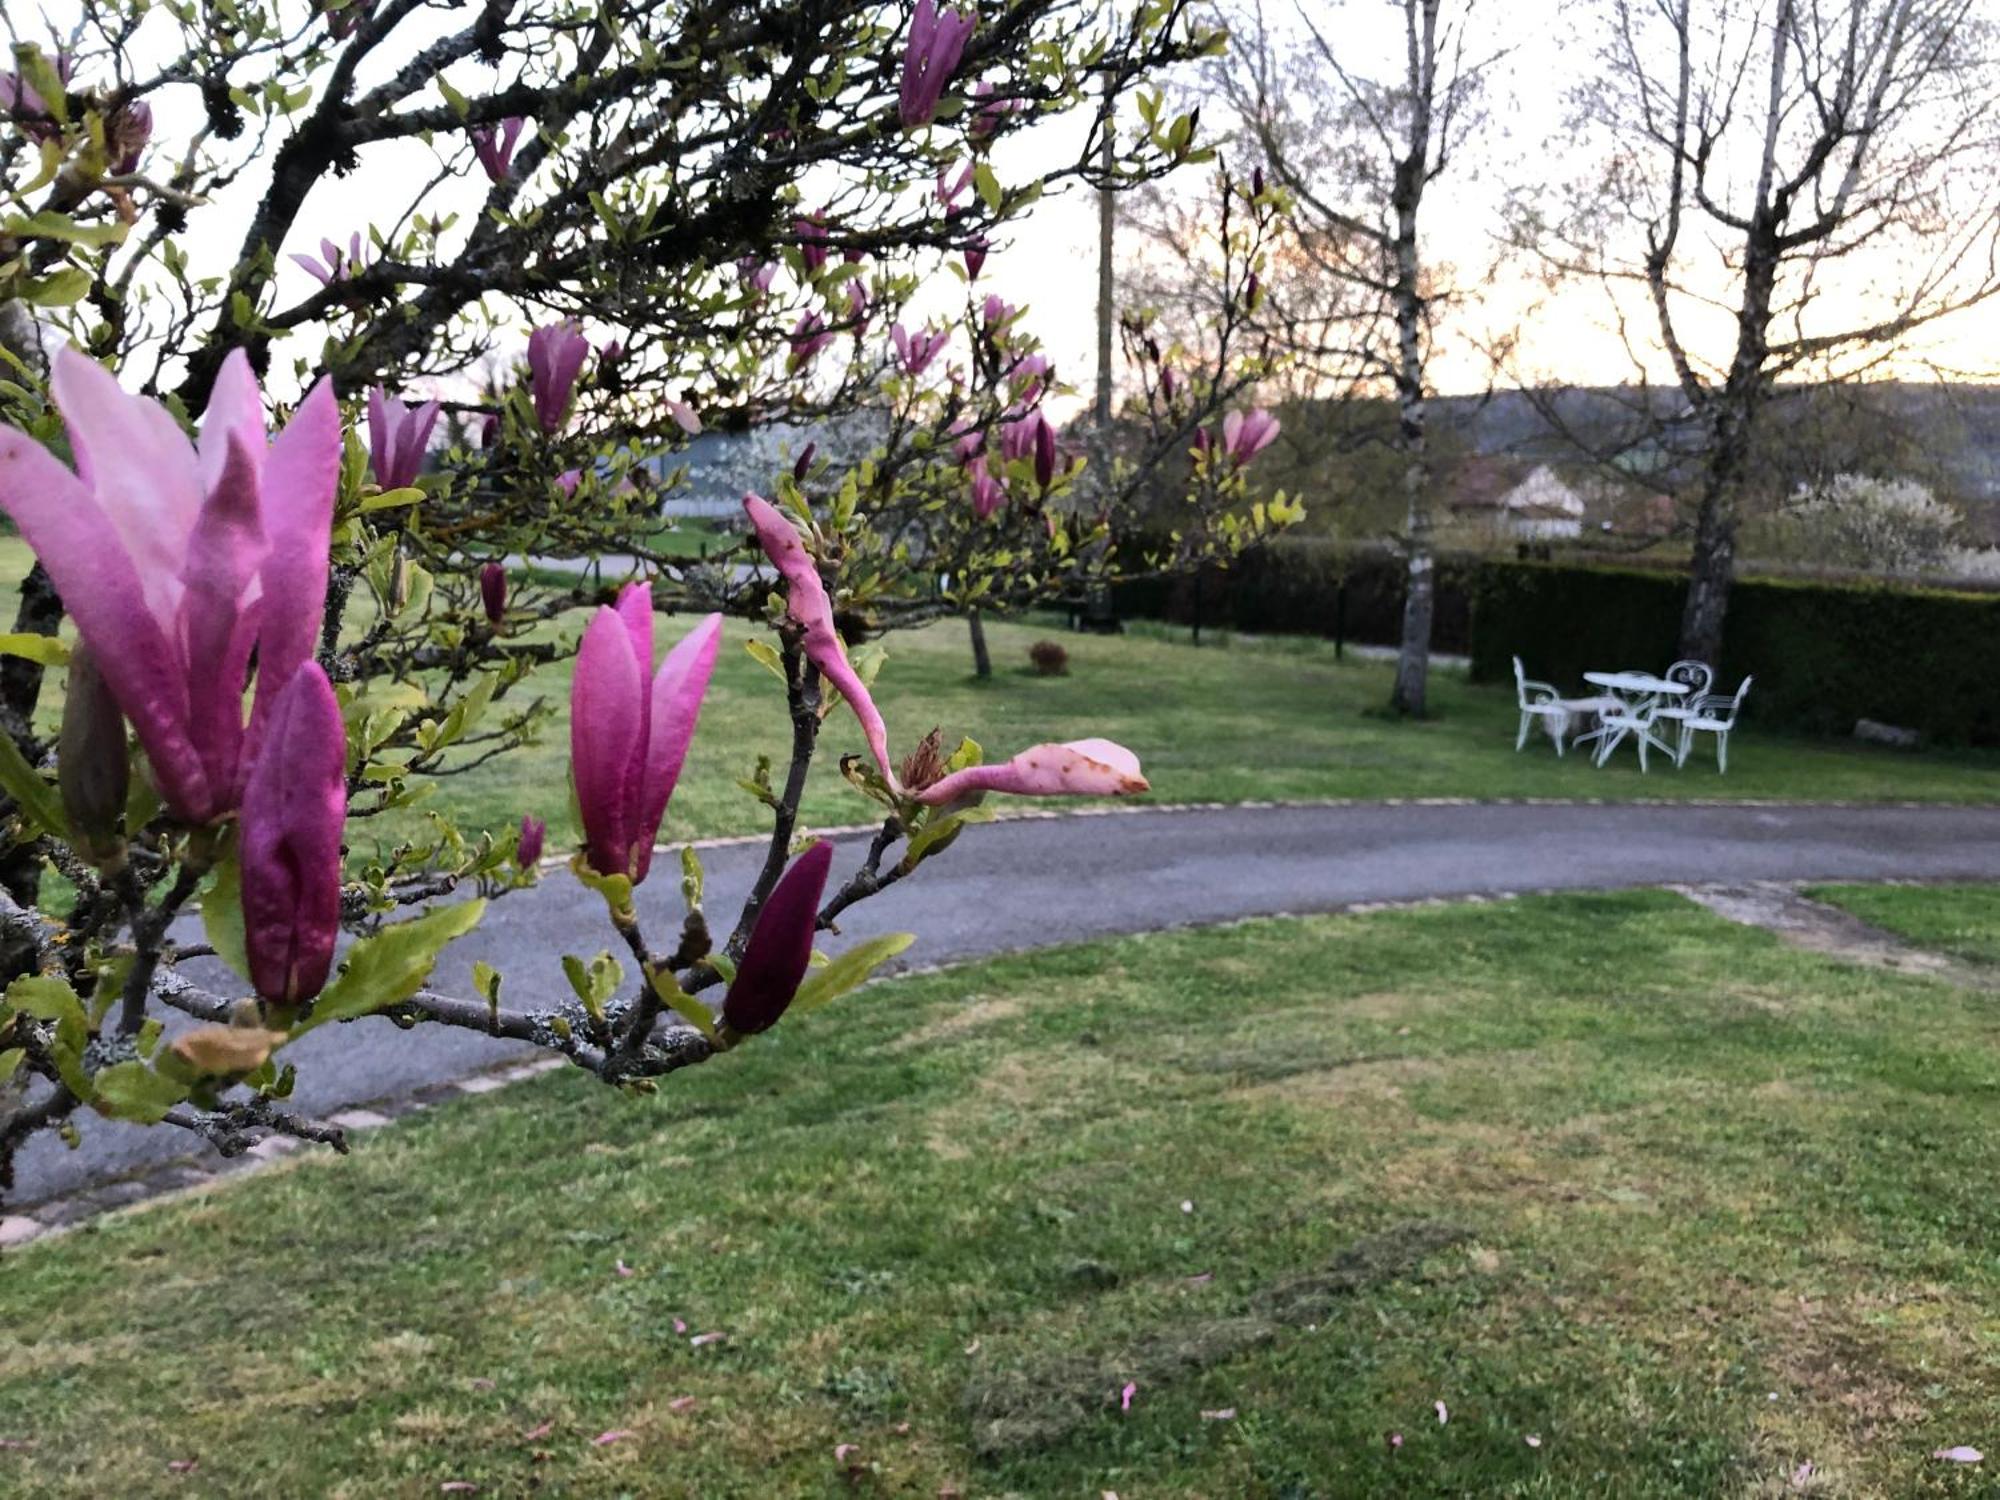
x,y
555,358
987,493
528,847
126,135
493,592
803,465
810,231
1045,452
975,257
496,150
294,804
809,336
780,948
930,56
397,438
991,112
630,728
489,429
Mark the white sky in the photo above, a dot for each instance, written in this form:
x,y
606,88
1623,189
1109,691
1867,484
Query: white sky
x,y
1048,262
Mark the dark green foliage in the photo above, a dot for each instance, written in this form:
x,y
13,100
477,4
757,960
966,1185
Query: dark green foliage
x,y
1307,586
1823,654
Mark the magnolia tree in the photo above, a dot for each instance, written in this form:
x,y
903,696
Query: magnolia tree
x,y
719,216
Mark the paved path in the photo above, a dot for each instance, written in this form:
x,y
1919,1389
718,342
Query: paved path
x,y
1034,882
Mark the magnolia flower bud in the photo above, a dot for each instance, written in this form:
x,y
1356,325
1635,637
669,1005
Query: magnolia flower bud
x,y
92,771
528,848
780,948
805,462
493,592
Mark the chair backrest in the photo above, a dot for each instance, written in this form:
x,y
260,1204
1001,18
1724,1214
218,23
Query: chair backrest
x,y
1736,703
1698,675
1725,709
1520,683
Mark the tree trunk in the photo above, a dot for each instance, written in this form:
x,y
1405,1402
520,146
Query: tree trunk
x,y
1711,571
1413,659
982,663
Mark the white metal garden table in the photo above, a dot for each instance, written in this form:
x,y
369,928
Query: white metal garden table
x,y
1639,693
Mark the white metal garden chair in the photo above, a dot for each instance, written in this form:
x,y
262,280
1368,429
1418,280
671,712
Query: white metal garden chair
x,y
1712,713
1544,701
1699,677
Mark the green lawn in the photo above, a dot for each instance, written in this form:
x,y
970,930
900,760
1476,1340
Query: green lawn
x,y
1688,1224
1962,920
1249,720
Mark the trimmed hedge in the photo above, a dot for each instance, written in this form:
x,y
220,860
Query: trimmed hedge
x,y
1823,654
1295,586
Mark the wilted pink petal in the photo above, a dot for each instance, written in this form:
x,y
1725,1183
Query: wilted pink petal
x,y
1221,1414
1201,1280
842,1452
1959,1455
615,1435
183,1465
682,1403
1395,1441
1444,1415
539,1431
1125,1396
1533,1440
810,608
706,1338
1802,1475
458,1487
1080,768
623,1269
680,1326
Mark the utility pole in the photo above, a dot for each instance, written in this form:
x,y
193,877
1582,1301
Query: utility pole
x,y
1106,228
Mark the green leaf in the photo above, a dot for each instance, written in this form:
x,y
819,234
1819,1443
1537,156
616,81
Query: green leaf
x,y
850,970
452,96
987,186
594,983
766,653
692,879
938,833
27,786
222,915
45,999
615,889
64,288
49,650
387,968
682,1004
133,1091
390,499
9,1061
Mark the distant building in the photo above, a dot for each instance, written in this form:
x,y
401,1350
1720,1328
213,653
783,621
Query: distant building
x,y
1533,506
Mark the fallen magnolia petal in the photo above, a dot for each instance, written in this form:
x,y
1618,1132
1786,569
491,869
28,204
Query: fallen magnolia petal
x,y
458,1487
1077,768
1395,1440
1125,1396
1221,1414
1533,1440
680,1325
842,1452
683,1403
707,1338
1201,1279
624,1270
536,1433
1444,1415
1802,1475
183,1465
1959,1455
615,1435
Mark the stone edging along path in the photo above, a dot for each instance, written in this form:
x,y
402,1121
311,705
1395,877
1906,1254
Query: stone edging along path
x,y
1052,878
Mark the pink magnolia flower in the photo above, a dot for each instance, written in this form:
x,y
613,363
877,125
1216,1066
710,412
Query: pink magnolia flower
x,y
397,438
179,563
988,494
997,311
684,416
859,304
967,441
755,275
20,102
975,256
807,602
1247,434
1027,375
568,480
493,592
991,111
1080,768
556,353
810,230
1202,444
344,16
334,264
950,189
936,43
809,336
1031,437
780,947
126,134
630,728
495,149
916,350
294,803
528,847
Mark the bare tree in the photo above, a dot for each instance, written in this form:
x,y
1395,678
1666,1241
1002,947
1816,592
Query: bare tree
x,y
1793,188
1357,154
